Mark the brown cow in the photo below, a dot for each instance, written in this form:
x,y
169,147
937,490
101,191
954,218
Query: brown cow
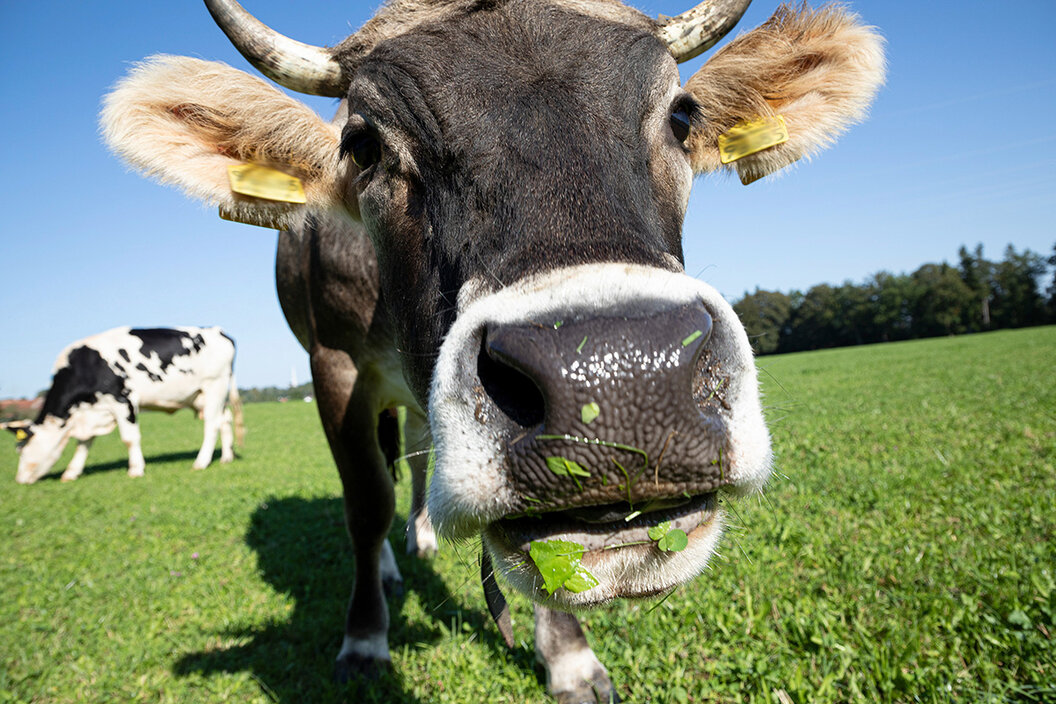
x,y
492,234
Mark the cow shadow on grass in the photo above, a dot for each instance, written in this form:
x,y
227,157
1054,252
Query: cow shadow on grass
x,y
187,456
303,551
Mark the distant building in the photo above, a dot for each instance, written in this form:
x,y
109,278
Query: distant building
x,y
19,408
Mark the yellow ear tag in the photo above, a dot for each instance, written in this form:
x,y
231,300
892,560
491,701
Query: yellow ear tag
x,y
21,435
752,136
263,182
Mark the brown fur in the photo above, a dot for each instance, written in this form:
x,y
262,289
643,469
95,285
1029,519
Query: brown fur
x,y
398,17
183,121
818,68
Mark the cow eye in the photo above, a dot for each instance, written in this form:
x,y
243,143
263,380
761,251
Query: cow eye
x,y
363,147
680,125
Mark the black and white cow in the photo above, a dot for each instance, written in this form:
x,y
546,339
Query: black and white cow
x,y
105,380
490,233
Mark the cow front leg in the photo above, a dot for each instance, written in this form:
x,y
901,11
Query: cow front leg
x,y
347,409
128,429
210,407
227,438
403,434
574,675
391,579
76,465
369,509
421,539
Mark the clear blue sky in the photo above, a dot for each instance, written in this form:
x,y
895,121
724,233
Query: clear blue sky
x,y
960,148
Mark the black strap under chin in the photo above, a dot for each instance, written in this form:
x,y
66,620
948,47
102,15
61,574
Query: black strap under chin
x,y
500,610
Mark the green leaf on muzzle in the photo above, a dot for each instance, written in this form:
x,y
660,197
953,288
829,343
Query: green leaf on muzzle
x,y
590,412
565,467
558,561
667,538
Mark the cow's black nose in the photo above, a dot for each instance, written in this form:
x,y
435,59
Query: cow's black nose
x,y
591,402
586,373
511,386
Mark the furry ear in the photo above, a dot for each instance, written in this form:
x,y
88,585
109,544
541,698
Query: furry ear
x,y
184,121
818,69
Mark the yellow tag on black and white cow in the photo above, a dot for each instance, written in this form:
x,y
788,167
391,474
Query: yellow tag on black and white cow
x,y
263,182
21,435
752,136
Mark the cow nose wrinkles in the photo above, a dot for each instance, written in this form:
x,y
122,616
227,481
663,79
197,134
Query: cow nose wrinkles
x,y
534,368
581,386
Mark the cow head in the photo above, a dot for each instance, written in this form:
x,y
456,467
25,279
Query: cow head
x,y
79,405
21,429
40,444
23,432
39,447
523,168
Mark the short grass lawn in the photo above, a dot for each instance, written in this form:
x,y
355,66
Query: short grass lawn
x,y
905,551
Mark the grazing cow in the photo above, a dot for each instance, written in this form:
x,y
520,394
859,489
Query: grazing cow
x,y
105,380
490,232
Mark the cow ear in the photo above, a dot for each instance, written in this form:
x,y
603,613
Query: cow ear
x,y
23,429
817,69
185,121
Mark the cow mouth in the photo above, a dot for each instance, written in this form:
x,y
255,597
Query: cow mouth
x,y
610,526
616,542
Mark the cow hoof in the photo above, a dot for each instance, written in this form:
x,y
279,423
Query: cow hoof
x,y
421,539
351,666
135,473
64,478
598,690
589,695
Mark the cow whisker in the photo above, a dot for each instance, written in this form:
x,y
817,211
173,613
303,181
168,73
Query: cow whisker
x,y
466,581
405,353
733,509
776,381
409,455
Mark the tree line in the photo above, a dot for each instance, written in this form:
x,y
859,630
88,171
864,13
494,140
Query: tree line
x,y
277,393
29,409
974,295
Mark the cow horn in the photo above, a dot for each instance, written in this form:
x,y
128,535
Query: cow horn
x,y
300,67
697,30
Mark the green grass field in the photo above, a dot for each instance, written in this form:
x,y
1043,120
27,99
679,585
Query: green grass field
x,y
904,552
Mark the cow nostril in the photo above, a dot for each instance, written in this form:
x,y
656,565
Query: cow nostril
x,y
512,392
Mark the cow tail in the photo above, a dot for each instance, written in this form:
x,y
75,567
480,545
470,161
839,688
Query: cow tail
x,y
235,402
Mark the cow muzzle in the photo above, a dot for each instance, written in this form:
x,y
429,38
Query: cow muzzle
x,y
590,406
606,409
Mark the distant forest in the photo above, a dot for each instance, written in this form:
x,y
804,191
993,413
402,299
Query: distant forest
x,y
275,393
973,295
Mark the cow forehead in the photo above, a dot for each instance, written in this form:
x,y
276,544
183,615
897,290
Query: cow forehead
x,y
461,68
400,17
528,133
